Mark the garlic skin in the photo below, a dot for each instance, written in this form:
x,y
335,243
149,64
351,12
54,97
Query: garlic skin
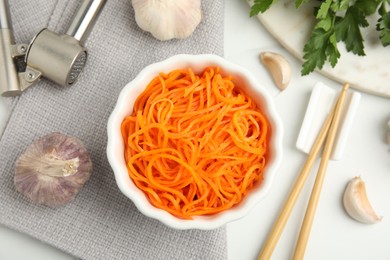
x,y
388,132
168,19
356,202
52,169
279,68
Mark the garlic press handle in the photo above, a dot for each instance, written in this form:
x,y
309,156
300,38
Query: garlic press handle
x,y
5,17
11,81
84,19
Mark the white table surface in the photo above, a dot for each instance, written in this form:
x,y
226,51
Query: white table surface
x,y
334,235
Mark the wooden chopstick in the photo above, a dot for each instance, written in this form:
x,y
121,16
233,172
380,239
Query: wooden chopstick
x,y
280,223
316,191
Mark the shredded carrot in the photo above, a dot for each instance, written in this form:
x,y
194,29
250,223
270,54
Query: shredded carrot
x,y
195,144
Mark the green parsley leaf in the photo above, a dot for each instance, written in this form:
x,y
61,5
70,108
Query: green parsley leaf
x,y
383,26
368,7
260,6
347,29
298,3
382,9
325,23
321,44
332,51
340,5
324,9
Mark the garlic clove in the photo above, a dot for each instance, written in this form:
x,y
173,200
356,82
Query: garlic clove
x,y
167,19
279,68
356,202
52,169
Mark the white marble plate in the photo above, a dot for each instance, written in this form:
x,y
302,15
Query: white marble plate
x,y
292,27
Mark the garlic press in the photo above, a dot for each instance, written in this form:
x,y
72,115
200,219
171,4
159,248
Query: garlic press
x,y
57,57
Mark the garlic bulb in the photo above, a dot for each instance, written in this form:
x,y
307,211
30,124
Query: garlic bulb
x,y
356,202
168,19
52,169
279,68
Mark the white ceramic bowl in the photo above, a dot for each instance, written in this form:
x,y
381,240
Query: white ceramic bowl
x,y
124,107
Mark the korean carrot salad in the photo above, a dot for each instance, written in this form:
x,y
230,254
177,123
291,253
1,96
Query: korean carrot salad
x,y
195,144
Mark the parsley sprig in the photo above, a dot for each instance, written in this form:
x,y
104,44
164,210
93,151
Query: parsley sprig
x,y
337,21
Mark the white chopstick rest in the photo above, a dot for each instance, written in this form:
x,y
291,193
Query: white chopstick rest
x,y
321,101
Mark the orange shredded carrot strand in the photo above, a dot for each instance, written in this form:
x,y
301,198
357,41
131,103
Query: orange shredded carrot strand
x,y
195,144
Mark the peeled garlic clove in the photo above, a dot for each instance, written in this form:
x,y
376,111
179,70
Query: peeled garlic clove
x,y
279,68
168,19
52,169
356,202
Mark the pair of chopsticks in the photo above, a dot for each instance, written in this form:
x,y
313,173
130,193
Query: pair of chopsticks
x,y
328,132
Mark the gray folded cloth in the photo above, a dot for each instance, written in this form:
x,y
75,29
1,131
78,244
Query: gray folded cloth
x,y
101,223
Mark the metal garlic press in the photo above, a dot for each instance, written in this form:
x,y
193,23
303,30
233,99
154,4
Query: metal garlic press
x,y
58,57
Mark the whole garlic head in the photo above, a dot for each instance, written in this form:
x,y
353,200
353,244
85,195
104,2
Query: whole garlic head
x,y
168,19
52,169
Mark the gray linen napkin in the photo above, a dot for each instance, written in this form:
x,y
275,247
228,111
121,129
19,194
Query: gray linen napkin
x,y
100,223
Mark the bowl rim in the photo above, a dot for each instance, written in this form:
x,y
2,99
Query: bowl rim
x,y
137,196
